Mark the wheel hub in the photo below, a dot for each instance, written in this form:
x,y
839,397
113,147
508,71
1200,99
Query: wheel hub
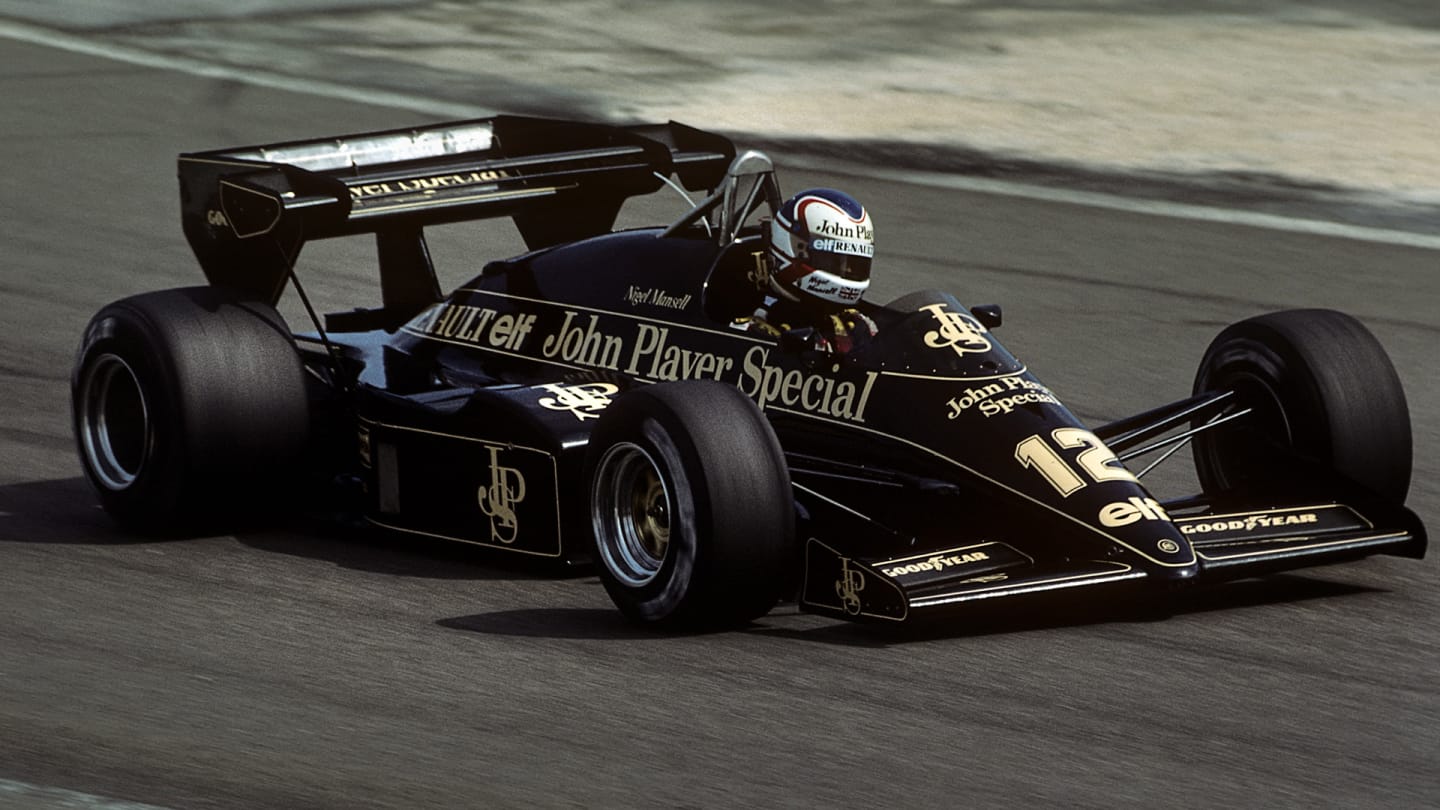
x,y
630,511
114,422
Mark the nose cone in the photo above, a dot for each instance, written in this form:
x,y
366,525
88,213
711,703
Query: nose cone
x,y
1138,523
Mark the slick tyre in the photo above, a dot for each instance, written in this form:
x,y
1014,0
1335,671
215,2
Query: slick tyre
x,y
189,407
1320,385
691,506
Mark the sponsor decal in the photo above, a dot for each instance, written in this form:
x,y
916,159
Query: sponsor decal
x,y
812,393
837,584
583,343
1258,534
216,218
502,479
652,353
1001,397
1132,510
583,400
844,230
480,326
849,586
957,331
654,357
499,497
843,246
759,273
423,184
974,563
1251,523
938,562
656,297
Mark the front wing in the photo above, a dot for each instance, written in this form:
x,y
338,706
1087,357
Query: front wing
x,y
1228,544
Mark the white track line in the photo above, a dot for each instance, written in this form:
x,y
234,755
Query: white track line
x,y
1204,213
56,39
20,795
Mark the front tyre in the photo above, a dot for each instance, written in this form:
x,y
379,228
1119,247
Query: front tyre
x,y
691,506
1320,386
188,405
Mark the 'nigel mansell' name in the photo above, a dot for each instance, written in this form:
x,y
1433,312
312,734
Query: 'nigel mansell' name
x,y
656,297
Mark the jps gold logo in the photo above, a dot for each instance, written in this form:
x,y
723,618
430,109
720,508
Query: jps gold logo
x,y
849,586
498,499
959,332
759,275
585,400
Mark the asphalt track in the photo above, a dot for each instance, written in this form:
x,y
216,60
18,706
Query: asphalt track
x,y
297,666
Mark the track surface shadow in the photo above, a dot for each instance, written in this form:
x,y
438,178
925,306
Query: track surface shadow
x,y
60,511
1019,617
64,512
557,623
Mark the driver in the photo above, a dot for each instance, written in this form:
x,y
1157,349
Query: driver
x,y
821,244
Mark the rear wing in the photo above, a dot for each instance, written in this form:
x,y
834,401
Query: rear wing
x,y
248,211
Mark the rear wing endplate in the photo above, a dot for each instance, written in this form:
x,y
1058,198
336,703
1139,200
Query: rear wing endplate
x,y
248,211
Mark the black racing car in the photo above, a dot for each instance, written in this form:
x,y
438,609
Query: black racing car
x,y
590,398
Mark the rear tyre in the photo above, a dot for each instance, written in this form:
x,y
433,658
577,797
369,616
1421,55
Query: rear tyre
x,y
1320,385
189,405
691,507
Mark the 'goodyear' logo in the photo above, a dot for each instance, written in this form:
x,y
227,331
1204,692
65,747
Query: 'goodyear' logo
x,y
1250,523
939,562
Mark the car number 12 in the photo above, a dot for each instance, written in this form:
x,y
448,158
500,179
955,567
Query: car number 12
x,y
1096,460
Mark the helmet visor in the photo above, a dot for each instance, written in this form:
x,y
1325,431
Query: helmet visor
x,y
848,266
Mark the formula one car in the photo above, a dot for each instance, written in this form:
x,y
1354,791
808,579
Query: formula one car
x,y
590,398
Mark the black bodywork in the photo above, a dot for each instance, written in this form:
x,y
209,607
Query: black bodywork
x,y
930,468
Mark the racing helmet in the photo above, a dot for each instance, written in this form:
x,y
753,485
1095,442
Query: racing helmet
x,y
821,244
